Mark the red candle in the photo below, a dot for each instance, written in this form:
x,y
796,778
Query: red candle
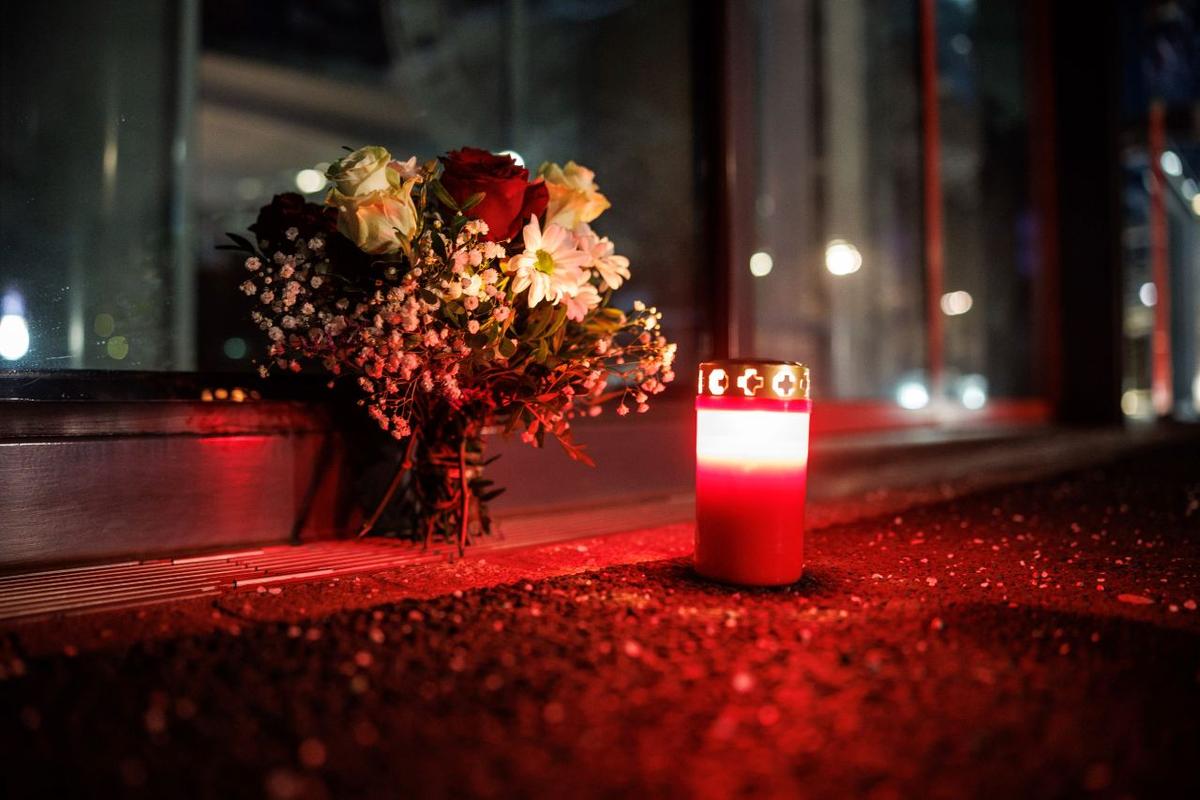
x,y
751,471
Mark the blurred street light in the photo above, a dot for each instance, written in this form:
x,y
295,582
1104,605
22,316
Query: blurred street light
x,y
912,395
761,264
842,257
955,303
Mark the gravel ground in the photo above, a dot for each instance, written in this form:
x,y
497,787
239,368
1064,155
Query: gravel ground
x,y
1036,641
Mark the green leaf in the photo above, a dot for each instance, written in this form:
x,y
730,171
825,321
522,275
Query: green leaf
x,y
473,201
605,320
439,244
557,320
542,321
443,195
515,421
242,244
575,451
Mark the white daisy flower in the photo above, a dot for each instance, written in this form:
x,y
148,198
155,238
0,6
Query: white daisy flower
x,y
583,301
613,269
550,267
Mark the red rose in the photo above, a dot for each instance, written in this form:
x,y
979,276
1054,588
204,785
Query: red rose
x,y
509,198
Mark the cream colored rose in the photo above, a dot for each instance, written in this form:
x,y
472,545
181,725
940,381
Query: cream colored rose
x,y
361,172
379,222
574,196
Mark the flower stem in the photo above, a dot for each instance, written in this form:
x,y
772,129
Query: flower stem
x,y
466,495
401,471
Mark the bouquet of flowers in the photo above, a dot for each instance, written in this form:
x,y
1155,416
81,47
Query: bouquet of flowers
x,y
459,295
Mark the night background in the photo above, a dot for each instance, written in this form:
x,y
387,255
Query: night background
x,y
976,222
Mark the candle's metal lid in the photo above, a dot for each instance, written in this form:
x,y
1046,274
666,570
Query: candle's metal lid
x,y
755,379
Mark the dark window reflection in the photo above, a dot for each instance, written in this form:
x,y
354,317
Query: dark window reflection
x,y
117,186
990,247
1160,55
96,255
838,274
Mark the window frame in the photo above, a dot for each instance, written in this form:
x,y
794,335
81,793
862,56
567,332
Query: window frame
x,y
61,409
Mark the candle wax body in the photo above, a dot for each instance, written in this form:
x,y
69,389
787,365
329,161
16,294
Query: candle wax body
x,y
751,475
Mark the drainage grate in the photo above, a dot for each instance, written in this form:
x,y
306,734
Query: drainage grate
x,y
138,583
126,584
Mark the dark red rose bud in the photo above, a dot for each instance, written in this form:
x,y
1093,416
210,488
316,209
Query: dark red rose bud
x,y
291,210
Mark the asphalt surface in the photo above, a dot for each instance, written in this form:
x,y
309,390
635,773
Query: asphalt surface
x,y
1037,641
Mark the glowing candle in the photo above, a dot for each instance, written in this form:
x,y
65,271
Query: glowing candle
x,y
751,471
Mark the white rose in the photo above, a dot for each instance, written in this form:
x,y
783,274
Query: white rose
x,y
380,222
361,172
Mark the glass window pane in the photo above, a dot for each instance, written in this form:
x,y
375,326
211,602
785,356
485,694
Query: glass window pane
x,y
95,255
839,256
839,194
1161,205
423,78
111,213
989,252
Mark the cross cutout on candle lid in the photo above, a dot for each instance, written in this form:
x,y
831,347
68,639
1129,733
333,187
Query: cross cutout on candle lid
x,y
744,382
754,380
784,384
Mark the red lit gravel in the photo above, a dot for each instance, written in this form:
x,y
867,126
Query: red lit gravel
x,y
1039,641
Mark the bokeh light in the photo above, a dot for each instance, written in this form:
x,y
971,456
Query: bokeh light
x,y
973,392
912,395
14,331
1148,294
309,181
761,264
842,257
1171,163
955,303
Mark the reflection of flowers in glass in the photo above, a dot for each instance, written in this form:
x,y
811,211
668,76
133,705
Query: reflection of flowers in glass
x,y
574,196
550,266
